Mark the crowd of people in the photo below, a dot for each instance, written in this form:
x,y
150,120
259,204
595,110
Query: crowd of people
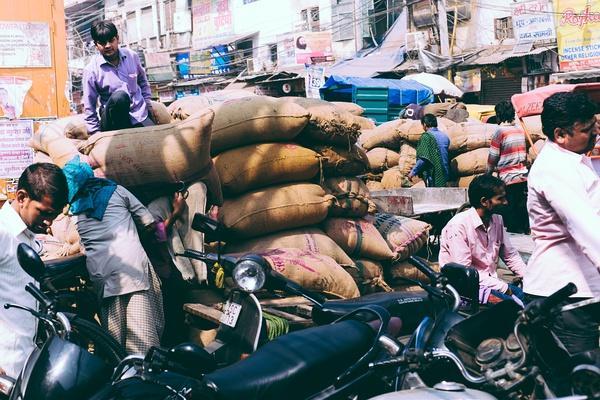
x,y
558,200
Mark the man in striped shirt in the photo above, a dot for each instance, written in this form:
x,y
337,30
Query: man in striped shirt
x,y
508,155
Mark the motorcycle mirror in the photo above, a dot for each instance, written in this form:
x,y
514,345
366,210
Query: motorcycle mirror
x,y
30,261
466,282
208,226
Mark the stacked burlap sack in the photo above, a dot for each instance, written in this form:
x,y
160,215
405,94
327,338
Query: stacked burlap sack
x,y
274,184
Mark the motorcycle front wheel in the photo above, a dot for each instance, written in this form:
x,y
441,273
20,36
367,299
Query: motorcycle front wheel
x,y
96,340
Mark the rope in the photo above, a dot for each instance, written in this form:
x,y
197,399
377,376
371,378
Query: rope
x,y
219,272
276,326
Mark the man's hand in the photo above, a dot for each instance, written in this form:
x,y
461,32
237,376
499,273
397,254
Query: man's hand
x,y
517,281
509,291
178,204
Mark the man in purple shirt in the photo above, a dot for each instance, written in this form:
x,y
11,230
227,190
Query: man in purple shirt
x,y
116,76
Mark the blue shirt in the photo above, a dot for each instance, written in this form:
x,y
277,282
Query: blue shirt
x,y
101,79
443,142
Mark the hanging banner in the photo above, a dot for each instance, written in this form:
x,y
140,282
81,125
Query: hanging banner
x,y
211,19
578,34
315,79
533,21
313,47
15,153
13,90
24,44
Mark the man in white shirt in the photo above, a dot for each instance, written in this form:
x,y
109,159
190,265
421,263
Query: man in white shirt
x,y
41,196
564,213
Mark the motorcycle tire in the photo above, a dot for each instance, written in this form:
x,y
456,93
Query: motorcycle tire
x,y
96,340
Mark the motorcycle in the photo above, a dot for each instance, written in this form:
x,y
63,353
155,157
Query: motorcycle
x,y
63,365
504,350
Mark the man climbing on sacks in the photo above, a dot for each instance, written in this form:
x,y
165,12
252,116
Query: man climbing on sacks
x,y
107,217
117,78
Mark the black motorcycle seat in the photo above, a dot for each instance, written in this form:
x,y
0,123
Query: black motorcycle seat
x,y
293,366
411,307
65,266
591,357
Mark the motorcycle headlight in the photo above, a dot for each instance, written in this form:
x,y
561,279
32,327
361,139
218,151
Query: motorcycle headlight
x,y
249,273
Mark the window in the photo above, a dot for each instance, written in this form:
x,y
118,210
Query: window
x,y
503,28
273,53
310,19
342,20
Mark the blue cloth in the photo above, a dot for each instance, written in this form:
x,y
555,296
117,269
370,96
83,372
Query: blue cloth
x,y
443,142
517,292
87,194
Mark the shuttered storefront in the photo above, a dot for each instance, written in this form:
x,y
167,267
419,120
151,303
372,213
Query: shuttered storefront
x,y
500,88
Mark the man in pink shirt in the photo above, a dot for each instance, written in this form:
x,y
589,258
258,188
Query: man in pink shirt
x,y
564,211
477,238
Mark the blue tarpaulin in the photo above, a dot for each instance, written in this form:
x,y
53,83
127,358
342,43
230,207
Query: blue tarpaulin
x,y
401,93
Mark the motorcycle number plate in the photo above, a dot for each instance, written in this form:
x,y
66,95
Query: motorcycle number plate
x,y
231,312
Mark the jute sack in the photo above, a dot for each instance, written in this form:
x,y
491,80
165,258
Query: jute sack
x,y
440,109
275,209
411,131
368,275
50,139
471,163
358,238
339,161
309,239
258,165
534,151
404,269
365,134
351,197
405,236
394,178
313,271
465,181
72,127
328,124
157,154
255,119
352,108
385,135
407,159
161,113
364,123
182,108
374,186
470,136
381,159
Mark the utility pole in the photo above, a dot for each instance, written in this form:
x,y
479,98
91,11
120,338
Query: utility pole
x,y
357,30
443,28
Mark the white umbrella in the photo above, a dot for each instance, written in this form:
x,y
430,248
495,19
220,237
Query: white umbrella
x,y
437,83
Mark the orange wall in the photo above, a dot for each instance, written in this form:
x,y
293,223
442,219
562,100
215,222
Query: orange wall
x,y
47,97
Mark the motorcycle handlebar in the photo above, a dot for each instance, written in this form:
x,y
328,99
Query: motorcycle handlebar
x,y
424,268
39,296
546,305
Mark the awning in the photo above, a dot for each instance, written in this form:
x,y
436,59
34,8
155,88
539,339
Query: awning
x,y
224,40
560,77
498,54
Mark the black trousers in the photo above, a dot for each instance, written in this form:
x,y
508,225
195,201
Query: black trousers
x,y
115,113
577,329
516,218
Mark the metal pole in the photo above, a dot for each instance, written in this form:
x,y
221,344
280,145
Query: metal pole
x,y
443,28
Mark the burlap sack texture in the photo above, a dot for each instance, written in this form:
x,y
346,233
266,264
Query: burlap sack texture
x,y
275,208
313,271
310,239
259,165
351,197
358,238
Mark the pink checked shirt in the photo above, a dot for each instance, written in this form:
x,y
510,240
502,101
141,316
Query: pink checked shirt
x,y
466,241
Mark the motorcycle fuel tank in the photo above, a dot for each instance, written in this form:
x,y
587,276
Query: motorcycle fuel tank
x,y
61,370
441,391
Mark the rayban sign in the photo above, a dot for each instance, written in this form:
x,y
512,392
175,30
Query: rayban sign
x,y
578,34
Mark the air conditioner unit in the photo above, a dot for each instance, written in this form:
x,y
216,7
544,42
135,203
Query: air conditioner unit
x,y
416,40
250,65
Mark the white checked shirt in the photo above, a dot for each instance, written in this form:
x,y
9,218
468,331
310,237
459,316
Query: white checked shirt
x,y
564,214
17,327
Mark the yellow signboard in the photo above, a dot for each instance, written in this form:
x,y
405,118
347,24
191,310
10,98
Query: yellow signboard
x,y
578,34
